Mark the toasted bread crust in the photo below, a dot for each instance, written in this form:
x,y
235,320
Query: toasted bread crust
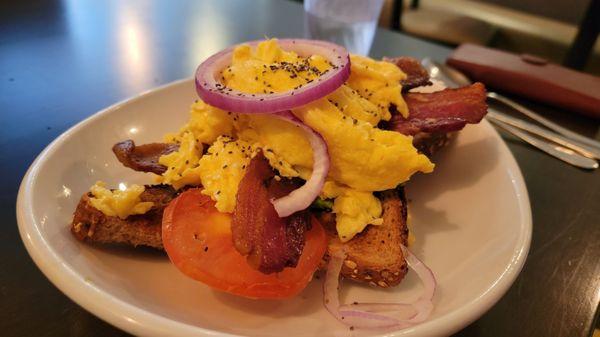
x,y
374,256
430,143
91,225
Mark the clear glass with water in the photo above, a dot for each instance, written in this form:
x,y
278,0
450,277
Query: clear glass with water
x,y
350,23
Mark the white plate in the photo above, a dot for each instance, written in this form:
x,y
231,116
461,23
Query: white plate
x,y
471,218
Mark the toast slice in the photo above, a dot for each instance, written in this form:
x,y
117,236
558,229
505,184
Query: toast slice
x,y
91,225
374,256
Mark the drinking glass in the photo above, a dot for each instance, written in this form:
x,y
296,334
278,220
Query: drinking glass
x,y
350,23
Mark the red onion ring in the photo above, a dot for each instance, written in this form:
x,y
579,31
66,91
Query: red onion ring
x,y
331,284
405,309
302,197
212,92
364,315
424,273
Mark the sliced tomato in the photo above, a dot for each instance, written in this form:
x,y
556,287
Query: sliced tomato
x,y
198,240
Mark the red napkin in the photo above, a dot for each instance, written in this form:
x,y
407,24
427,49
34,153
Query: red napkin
x,y
531,77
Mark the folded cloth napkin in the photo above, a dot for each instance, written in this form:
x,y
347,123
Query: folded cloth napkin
x,y
531,77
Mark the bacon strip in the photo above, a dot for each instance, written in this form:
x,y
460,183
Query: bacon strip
x,y
271,243
416,75
443,111
143,157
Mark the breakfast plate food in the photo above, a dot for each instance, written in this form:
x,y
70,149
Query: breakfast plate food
x,y
298,169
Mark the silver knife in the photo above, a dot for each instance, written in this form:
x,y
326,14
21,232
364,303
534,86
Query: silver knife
x,y
557,151
589,152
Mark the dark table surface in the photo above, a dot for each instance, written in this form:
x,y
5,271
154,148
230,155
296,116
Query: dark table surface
x,y
61,61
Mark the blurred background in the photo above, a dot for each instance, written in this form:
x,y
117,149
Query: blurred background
x,y
546,28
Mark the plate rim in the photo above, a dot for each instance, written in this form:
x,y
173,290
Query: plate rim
x,y
141,322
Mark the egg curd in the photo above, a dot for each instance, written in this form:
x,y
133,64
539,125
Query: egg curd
x,y
364,158
121,203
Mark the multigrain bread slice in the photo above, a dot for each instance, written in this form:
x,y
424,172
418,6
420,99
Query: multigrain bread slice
x,y
91,225
374,256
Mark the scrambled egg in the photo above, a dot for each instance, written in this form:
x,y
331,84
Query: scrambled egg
x,y
121,203
270,69
222,168
364,158
348,101
354,210
378,82
206,123
284,145
183,165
